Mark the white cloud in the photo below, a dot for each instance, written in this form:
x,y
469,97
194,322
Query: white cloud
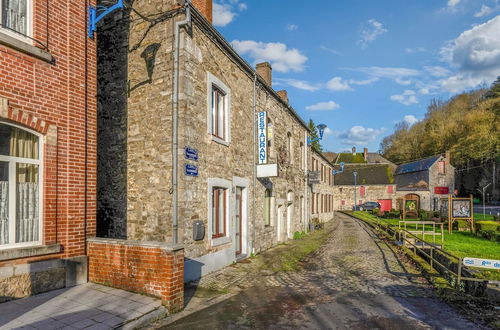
x,y
363,82
323,106
331,50
282,58
476,56
408,97
359,135
401,81
415,50
370,31
300,84
453,3
292,27
388,72
424,91
410,119
337,84
224,11
484,11
437,71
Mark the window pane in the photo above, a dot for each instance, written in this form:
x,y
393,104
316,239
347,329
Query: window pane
x,y
27,203
4,203
15,15
221,119
214,112
267,208
17,142
222,211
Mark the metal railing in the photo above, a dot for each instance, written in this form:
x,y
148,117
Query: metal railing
x,y
429,250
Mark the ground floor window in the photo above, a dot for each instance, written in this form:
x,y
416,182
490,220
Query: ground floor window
x,y
20,181
267,207
219,213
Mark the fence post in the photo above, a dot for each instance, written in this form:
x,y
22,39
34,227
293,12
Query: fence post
x,y
459,273
432,248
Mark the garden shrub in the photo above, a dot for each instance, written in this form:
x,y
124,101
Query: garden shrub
x,y
422,214
299,235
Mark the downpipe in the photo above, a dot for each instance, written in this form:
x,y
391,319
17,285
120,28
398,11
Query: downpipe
x,y
175,120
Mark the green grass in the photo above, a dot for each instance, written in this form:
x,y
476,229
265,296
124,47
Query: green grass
x,y
461,244
481,216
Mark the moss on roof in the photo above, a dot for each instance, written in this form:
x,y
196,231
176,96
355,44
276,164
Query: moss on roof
x,y
349,158
367,174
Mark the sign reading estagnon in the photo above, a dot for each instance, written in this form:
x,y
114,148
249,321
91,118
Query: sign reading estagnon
x,y
262,137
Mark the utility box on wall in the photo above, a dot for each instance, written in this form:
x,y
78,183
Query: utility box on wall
x,y
198,230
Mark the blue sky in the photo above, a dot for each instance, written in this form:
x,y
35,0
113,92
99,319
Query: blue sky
x,y
360,66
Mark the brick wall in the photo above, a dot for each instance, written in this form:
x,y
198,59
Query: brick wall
x,y
155,269
57,99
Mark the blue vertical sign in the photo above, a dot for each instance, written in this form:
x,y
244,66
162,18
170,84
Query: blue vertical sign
x,y
262,137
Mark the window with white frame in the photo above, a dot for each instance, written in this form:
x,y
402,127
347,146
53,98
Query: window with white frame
x,y
219,212
219,110
20,187
15,17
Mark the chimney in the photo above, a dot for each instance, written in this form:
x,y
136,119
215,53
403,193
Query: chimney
x,y
353,150
365,153
204,7
283,95
265,71
447,155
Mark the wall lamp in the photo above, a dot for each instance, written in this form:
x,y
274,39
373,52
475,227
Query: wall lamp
x,y
321,131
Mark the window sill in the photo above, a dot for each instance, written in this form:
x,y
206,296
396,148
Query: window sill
x,y
29,251
219,140
24,47
220,241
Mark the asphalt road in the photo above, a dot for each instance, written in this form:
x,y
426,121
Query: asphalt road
x,y
489,209
354,281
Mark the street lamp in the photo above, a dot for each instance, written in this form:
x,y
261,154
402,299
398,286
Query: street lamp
x,y
483,191
355,175
321,131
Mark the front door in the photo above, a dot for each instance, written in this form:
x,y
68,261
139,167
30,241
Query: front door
x,y
238,215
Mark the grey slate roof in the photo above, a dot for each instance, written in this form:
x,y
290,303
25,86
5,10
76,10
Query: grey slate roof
x,y
416,166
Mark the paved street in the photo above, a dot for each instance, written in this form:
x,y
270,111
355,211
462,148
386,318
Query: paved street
x,y
353,282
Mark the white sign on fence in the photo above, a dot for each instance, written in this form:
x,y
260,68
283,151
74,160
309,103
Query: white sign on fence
x,y
482,263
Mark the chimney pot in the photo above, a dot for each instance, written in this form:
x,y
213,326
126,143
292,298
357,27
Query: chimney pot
x,y
204,7
265,71
283,95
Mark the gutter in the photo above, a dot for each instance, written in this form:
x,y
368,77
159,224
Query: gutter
x,y
175,120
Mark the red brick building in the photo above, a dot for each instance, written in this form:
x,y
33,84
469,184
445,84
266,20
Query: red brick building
x,y
47,145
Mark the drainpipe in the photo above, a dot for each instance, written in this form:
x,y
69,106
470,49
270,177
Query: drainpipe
x,y
175,119
254,155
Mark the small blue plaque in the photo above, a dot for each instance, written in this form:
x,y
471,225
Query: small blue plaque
x,y
190,153
191,170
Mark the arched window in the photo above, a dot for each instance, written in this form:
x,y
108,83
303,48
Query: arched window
x,y
20,181
270,144
289,147
267,207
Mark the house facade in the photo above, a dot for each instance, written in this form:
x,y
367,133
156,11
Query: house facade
x,y
183,114
322,194
428,180
47,145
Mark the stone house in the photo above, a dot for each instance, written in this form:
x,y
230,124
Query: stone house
x,y
178,147
47,145
374,180
428,179
322,196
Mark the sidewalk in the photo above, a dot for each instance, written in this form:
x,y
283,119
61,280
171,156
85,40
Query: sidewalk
x,y
87,306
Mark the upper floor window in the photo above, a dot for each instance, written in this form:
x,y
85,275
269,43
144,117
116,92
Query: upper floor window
x,y
270,144
302,156
289,147
219,110
16,16
441,167
20,183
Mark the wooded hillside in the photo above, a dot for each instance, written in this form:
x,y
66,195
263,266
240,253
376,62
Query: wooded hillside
x,y
468,125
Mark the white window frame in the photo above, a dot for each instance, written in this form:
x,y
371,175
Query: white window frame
x,y
29,28
213,81
12,190
226,184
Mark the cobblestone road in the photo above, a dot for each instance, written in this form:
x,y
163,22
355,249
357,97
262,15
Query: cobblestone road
x,y
354,281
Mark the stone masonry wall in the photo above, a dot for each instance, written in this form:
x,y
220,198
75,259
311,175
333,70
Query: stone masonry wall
x,y
344,195
323,192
